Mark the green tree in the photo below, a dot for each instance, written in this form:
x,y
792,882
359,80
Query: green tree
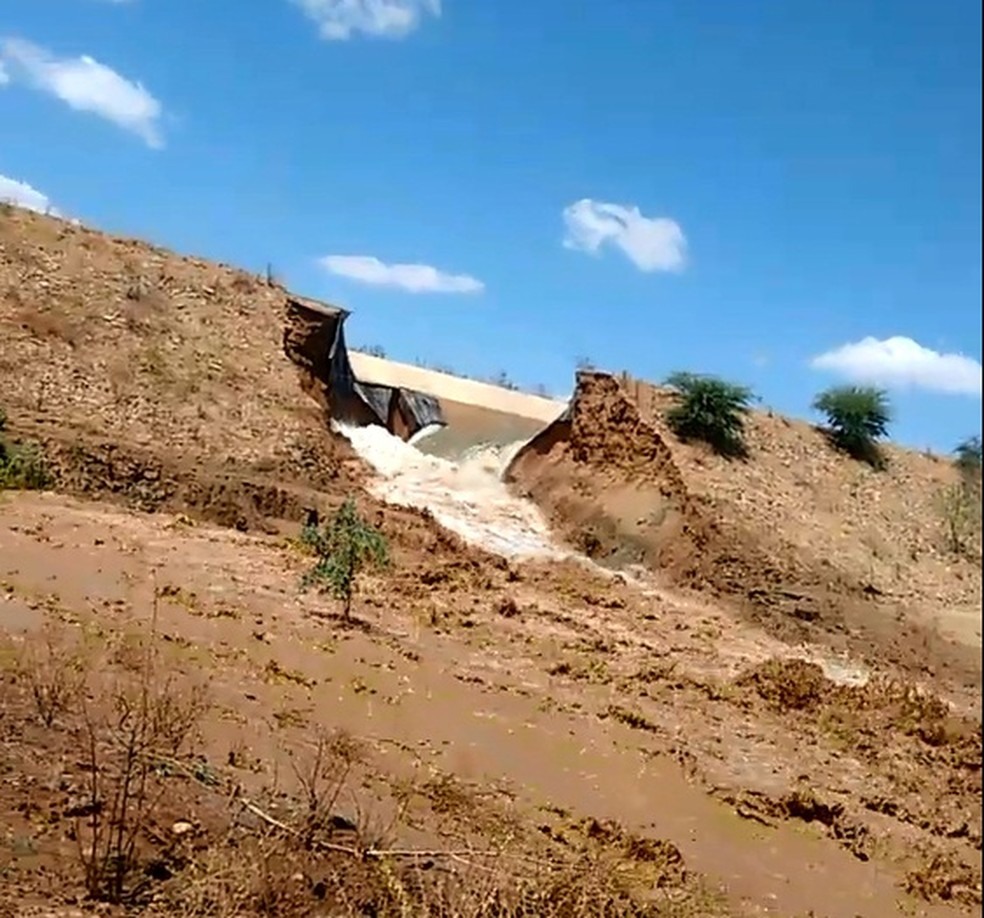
x,y
857,417
711,410
345,546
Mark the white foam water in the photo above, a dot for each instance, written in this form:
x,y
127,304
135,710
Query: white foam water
x,y
468,497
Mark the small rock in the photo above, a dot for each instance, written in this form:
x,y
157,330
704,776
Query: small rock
x,y
182,828
81,809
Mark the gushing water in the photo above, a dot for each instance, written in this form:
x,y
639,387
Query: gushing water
x,y
468,497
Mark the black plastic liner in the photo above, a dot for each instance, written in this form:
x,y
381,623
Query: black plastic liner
x,y
315,339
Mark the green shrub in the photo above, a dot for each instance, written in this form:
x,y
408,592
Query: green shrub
x,y
22,465
857,417
711,410
345,546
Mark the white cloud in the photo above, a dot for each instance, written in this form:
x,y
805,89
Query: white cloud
x,y
4,76
86,85
651,244
900,362
412,278
20,194
337,20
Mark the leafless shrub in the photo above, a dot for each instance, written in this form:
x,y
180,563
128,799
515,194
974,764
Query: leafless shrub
x,y
960,516
54,669
257,875
50,325
322,777
151,721
264,876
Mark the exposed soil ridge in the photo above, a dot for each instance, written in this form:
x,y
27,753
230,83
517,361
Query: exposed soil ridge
x,y
628,501
610,479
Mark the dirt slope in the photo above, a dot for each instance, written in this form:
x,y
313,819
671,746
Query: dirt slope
x,y
118,340
811,544
658,753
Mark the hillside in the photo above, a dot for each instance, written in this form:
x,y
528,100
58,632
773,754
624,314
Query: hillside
x,y
132,355
884,530
814,544
752,718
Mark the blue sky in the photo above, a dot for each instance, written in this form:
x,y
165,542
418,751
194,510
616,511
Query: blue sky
x,y
736,188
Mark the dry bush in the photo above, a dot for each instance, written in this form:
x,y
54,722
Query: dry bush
x,y
263,875
50,325
54,669
322,777
137,728
960,515
149,723
303,867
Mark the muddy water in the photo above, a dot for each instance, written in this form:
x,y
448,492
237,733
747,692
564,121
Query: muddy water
x,y
466,496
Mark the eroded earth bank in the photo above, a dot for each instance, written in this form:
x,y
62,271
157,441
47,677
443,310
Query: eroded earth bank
x,y
632,680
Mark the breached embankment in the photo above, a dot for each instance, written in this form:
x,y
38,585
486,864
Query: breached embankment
x,y
434,441
616,485
362,390
608,483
